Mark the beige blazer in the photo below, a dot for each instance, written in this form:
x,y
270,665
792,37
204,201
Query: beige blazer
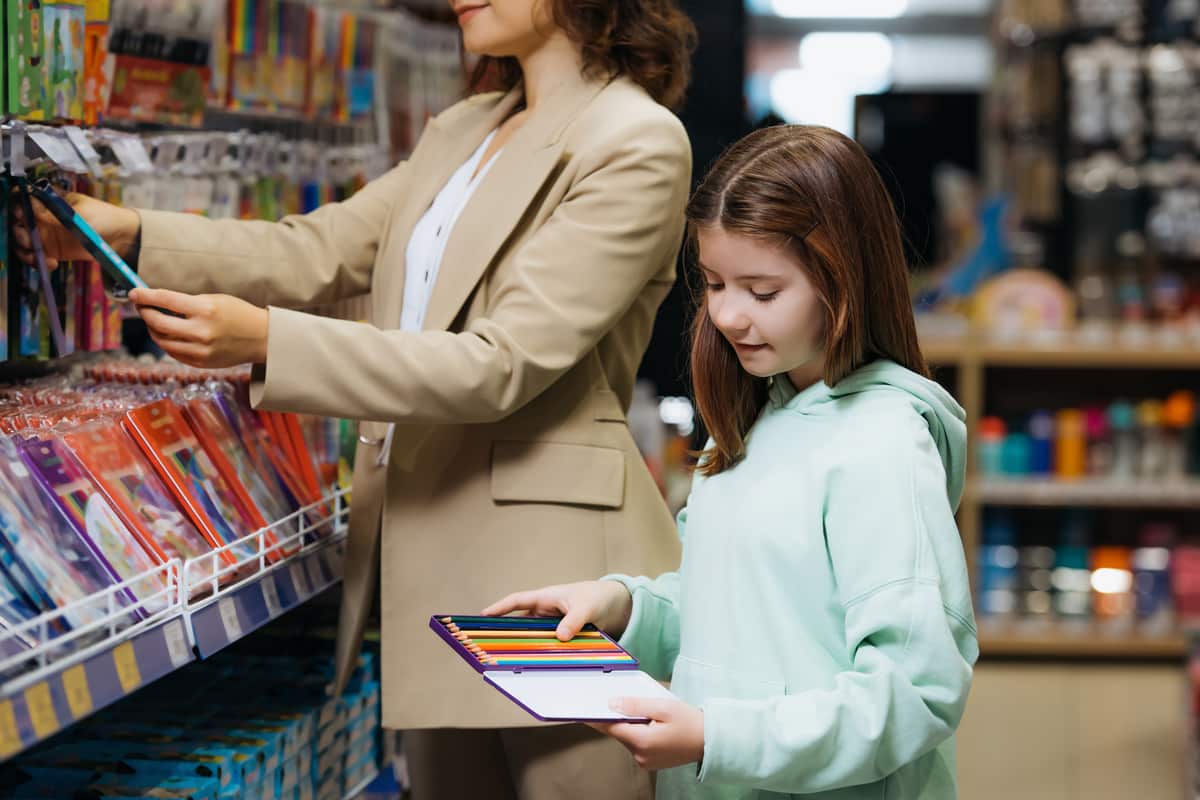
x,y
512,465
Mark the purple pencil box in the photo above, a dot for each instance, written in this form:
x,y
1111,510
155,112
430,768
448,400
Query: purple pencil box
x,y
554,681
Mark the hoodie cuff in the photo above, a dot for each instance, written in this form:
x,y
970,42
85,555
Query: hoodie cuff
x,y
731,742
628,639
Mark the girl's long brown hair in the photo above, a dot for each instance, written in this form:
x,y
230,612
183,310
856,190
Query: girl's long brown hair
x,y
650,41
815,192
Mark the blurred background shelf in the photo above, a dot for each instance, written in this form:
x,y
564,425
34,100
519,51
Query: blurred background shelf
x,y
1057,643
957,352
1103,493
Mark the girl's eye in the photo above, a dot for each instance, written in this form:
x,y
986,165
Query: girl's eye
x,y
765,298
715,287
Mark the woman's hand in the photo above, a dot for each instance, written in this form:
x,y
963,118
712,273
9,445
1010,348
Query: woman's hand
x,y
675,735
211,330
117,226
608,604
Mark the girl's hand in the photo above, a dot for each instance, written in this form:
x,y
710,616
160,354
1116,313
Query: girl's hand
x,y
117,226
674,737
608,604
211,331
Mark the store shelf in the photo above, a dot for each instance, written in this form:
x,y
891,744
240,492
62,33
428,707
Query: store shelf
x,y
87,669
943,352
1081,356
1065,354
1070,645
1107,493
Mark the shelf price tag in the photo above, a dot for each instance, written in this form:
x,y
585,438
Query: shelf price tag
x,y
177,644
271,596
10,739
127,667
79,694
41,710
229,618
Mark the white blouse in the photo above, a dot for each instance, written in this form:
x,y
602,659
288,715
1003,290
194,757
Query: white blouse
x,y
428,243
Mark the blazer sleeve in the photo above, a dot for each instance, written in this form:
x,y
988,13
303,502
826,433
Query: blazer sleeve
x,y
570,282
307,259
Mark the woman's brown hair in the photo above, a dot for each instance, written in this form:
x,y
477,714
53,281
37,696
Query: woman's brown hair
x,y
650,41
814,192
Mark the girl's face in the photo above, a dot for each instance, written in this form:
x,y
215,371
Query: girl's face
x,y
502,28
762,302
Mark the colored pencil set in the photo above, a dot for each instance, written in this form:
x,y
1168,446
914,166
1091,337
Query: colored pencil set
x,y
520,643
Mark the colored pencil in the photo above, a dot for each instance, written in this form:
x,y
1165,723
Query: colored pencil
x,y
549,648
524,634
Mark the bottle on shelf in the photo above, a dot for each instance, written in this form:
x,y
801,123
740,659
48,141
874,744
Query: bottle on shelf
x,y
1041,443
1015,454
1179,418
1152,579
1152,461
1070,450
998,573
1036,565
1123,421
1112,585
1099,442
1071,579
992,431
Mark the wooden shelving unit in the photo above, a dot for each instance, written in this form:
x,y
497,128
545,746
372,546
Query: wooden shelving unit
x,y
971,360
1050,493
1069,645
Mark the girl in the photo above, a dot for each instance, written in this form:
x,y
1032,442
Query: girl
x,y
515,264
819,633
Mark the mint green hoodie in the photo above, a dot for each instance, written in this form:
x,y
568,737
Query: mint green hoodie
x,y
821,616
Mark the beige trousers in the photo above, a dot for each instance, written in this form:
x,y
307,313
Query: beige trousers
x,y
571,762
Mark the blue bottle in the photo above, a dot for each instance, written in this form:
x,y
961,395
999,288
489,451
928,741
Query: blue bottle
x,y
998,567
1041,443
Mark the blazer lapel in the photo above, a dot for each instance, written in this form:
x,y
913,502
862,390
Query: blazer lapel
x,y
503,198
445,145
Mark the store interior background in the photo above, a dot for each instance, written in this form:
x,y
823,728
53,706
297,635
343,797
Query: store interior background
x,y
1043,156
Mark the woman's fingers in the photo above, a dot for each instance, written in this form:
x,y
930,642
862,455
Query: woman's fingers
x,y
184,304
167,326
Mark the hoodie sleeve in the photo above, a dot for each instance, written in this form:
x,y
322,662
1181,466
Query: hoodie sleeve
x,y
890,534
652,635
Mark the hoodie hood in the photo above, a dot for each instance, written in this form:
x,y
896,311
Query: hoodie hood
x,y
941,412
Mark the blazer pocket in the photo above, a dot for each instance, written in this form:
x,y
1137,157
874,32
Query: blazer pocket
x,y
551,472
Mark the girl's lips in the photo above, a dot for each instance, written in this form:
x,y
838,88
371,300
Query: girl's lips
x,y
466,12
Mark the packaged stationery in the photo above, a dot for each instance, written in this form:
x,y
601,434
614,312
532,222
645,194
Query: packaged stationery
x,y
131,485
186,469
51,564
113,544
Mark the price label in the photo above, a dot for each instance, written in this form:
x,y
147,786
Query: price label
x,y
130,151
177,645
79,141
79,694
271,596
127,668
41,710
59,150
10,739
229,618
300,580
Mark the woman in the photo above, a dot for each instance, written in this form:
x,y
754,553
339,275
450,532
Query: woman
x,y
515,264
